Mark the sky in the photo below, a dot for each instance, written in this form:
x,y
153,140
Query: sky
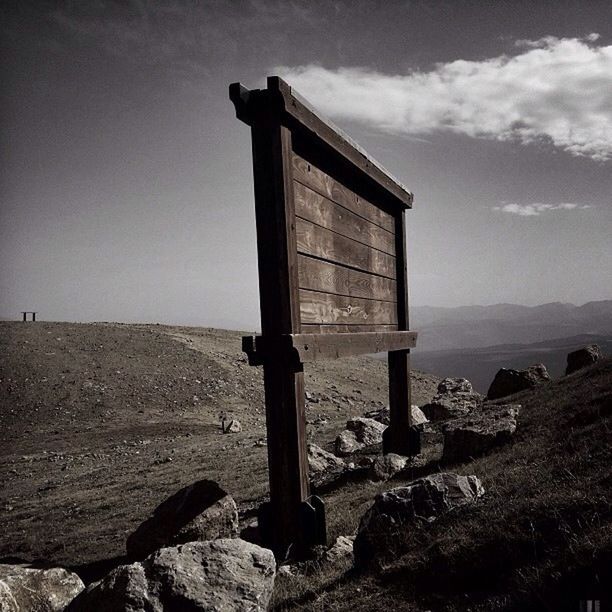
x,y
126,184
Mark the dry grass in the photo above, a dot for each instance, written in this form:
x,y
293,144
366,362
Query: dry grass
x,y
541,538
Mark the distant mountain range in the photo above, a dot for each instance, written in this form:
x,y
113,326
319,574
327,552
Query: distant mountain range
x,y
482,326
479,365
476,341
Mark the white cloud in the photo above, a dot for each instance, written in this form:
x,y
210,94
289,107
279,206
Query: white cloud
x,y
556,90
537,208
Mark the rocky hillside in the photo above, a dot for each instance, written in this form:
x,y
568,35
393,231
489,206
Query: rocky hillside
x,y
539,535
506,507
100,422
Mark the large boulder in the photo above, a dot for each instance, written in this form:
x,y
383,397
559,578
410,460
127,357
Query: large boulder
x,y
576,360
479,432
383,415
323,466
226,574
424,499
360,433
26,589
508,381
201,511
455,398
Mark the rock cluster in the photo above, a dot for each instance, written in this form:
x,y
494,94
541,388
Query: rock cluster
x,y
224,574
360,433
201,511
508,381
582,358
455,398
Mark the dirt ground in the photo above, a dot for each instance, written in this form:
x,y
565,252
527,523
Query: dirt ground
x,y
101,422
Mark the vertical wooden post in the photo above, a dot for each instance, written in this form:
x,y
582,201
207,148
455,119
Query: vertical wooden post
x,y
284,522
24,316
33,316
399,437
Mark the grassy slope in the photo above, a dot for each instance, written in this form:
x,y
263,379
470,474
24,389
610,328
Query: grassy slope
x,y
541,538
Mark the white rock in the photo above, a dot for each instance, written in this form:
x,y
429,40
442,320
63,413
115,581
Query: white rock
x,y
25,589
226,574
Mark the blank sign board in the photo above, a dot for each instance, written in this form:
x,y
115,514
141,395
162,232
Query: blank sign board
x,y
332,280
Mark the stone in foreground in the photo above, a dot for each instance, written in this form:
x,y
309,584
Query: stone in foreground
x,y
341,550
479,432
323,466
508,381
425,499
576,360
360,433
199,512
226,574
455,398
25,589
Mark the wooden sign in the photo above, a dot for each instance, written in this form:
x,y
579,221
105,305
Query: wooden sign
x,y
332,283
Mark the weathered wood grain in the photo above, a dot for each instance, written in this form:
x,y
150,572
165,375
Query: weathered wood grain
x,y
319,275
310,176
318,209
320,242
346,329
322,347
324,308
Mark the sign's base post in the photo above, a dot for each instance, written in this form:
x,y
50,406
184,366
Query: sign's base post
x,y
293,522
311,524
400,437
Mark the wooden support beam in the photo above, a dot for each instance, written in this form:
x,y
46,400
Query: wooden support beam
x,y
306,348
332,261
400,437
282,521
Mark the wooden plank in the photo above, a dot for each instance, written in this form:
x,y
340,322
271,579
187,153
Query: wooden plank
x,y
276,236
319,275
303,348
307,118
324,308
321,347
309,175
250,104
346,329
318,209
325,244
